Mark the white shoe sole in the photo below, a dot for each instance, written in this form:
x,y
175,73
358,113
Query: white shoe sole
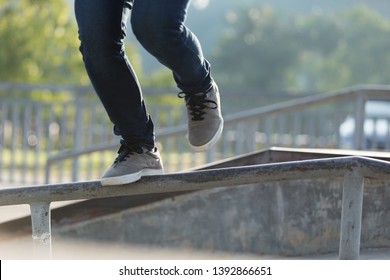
x,y
211,143
130,178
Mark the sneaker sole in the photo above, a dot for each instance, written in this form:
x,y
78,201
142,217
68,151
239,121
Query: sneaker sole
x,y
211,143
130,178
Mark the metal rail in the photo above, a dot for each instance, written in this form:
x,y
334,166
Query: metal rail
x,y
352,169
357,95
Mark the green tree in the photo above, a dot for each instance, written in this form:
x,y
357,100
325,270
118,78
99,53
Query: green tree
x,y
256,50
362,53
39,43
305,52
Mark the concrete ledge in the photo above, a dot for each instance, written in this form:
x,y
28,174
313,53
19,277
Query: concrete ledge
x,y
287,217
199,180
300,217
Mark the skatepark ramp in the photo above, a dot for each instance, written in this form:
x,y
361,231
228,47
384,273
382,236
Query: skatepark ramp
x,y
350,170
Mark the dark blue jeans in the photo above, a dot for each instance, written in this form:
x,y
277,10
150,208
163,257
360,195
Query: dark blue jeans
x,y
159,27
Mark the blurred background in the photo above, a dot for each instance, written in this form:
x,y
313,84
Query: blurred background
x,y
262,53
304,74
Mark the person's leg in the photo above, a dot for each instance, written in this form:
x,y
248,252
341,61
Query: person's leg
x,y
102,30
159,27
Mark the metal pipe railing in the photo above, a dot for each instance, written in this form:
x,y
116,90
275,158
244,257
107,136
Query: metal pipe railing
x,y
352,169
47,135
248,121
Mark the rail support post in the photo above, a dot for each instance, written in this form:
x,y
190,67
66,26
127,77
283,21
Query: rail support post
x,y
351,215
41,229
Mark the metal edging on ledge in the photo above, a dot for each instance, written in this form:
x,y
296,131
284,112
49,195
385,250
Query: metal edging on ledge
x,y
198,180
353,170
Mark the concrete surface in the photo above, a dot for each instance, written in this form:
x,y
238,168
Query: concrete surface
x,y
65,249
290,218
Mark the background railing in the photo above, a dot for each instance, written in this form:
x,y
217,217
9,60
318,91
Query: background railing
x,y
58,141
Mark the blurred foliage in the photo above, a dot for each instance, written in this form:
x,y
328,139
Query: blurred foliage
x,y
39,43
161,78
263,49
260,48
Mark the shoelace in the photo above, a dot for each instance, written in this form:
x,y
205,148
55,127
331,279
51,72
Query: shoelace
x,y
196,104
126,150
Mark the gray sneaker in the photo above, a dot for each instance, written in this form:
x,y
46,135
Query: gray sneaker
x,y
131,164
205,122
